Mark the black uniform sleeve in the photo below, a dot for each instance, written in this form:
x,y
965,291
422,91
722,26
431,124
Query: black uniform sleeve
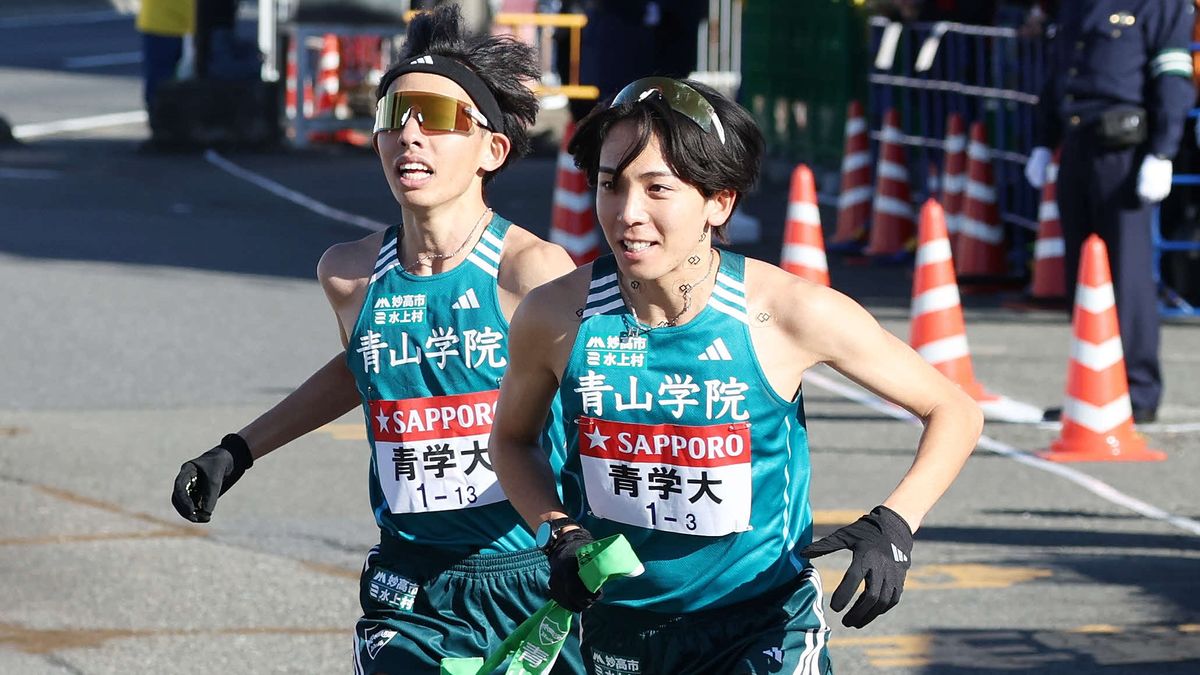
x,y
1047,126
1170,92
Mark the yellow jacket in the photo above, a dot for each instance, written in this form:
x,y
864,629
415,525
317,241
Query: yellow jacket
x,y
173,18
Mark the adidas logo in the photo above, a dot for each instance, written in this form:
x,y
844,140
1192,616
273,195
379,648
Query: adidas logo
x,y
466,301
898,554
717,351
424,59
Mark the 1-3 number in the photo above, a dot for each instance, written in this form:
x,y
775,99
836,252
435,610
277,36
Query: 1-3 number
x,y
689,520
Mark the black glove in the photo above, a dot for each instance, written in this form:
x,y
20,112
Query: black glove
x,y
202,480
566,588
882,545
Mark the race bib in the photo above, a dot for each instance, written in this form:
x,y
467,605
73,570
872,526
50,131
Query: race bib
x,y
669,477
431,453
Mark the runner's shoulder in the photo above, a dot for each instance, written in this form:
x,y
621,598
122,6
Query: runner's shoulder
x,y
556,307
346,268
787,298
530,261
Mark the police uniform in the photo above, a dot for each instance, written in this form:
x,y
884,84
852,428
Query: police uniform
x,y
677,440
456,570
1107,56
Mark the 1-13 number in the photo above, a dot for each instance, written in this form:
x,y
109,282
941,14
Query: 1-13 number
x,y
469,494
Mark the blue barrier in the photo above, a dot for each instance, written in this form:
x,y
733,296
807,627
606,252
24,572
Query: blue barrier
x,y
1170,302
990,74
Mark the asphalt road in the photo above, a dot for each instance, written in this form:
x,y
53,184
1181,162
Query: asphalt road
x,y
153,302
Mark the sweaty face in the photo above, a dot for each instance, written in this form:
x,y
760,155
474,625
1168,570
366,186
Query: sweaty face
x,y
428,168
651,218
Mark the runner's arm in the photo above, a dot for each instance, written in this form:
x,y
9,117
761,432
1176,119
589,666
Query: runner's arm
x,y
331,391
853,343
526,394
325,396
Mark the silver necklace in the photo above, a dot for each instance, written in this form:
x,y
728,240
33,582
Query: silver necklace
x,y
686,289
424,258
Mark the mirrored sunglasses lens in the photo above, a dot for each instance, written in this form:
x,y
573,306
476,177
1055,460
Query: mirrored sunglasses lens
x,y
678,96
437,113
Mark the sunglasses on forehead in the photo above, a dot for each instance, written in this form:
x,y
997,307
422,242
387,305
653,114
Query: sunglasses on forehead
x,y
434,112
678,96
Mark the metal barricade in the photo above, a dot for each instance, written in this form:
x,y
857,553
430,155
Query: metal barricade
x,y
992,74
1172,302
537,30
304,116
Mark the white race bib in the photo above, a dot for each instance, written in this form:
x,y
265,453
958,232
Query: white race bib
x,y
669,477
431,453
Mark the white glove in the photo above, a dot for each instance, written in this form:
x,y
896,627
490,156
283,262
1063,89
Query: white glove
x,y
1035,168
1154,179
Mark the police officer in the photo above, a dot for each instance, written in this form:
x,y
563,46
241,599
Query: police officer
x,y
1118,90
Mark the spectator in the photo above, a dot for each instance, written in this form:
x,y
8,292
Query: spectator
x,y
163,25
1118,91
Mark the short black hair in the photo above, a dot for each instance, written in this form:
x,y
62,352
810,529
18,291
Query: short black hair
x,y
694,155
503,62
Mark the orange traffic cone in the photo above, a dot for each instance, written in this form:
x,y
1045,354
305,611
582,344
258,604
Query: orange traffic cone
x,y
292,105
954,174
980,248
803,242
1049,275
938,332
1097,418
854,203
328,78
572,224
892,226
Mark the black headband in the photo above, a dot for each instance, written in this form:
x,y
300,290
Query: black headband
x,y
464,77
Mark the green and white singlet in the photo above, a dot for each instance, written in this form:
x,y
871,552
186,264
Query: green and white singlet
x,y
427,353
677,440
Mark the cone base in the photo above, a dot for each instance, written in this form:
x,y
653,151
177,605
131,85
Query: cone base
x,y
1131,450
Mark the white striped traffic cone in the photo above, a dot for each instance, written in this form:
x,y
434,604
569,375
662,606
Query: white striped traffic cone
x,y
1097,417
328,76
1049,271
854,202
892,226
572,223
803,242
954,174
294,94
980,248
938,332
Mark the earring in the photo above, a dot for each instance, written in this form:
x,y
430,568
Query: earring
x,y
704,232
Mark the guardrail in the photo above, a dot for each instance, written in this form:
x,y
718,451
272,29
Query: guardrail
x,y
926,71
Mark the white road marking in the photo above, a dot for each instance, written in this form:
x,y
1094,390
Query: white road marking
x,y
1093,485
291,195
102,60
39,129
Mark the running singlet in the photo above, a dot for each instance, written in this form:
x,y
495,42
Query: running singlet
x,y
427,353
677,440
